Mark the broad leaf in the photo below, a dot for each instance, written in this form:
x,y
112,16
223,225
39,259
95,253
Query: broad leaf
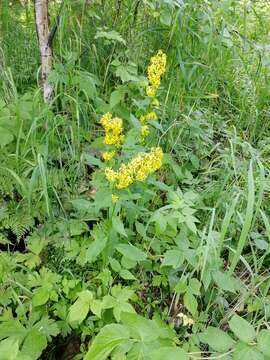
x,y
190,303
9,349
217,339
168,353
106,341
242,329
118,226
264,342
34,344
131,252
79,310
174,258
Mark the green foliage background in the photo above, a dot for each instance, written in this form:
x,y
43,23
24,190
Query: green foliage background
x,y
192,243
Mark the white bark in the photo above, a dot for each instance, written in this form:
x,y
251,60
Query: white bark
x,y
42,24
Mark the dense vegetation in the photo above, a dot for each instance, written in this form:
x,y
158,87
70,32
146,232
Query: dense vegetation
x,y
134,208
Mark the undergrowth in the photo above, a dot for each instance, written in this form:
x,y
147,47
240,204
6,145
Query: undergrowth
x,y
134,210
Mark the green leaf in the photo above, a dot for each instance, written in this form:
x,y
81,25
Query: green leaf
x,y
116,97
224,281
9,349
110,35
96,247
126,275
190,303
41,296
92,160
242,329
96,306
79,310
34,344
84,206
165,17
6,137
106,341
217,339
194,286
14,329
47,327
146,330
174,258
115,265
168,353
264,342
131,252
245,352
118,225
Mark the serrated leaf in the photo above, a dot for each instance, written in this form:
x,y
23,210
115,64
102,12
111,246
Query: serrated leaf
x,y
106,341
217,339
131,252
242,329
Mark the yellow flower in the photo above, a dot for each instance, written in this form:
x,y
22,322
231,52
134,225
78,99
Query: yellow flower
x,y
113,130
137,169
148,117
144,131
115,198
108,155
110,174
155,70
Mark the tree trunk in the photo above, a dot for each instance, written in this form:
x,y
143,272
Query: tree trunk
x,y
42,25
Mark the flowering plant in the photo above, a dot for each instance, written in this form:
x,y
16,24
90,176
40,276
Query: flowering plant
x,y
143,163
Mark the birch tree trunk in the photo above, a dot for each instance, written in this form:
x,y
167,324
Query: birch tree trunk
x,y
42,25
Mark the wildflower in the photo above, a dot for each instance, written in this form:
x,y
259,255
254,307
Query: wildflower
x,y
115,198
144,131
156,69
148,117
185,319
137,169
113,130
110,174
108,155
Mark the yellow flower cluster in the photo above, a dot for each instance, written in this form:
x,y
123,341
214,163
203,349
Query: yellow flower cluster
x,y
113,130
108,155
136,170
150,116
156,69
115,198
144,120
